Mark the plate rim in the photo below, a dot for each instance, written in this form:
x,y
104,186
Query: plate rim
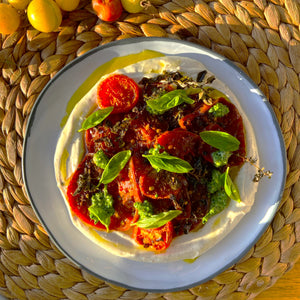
x,y
268,105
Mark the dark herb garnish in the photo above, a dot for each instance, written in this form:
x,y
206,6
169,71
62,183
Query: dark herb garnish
x,y
201,76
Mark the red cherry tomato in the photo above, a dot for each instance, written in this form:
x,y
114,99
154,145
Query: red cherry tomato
x,y
107,10
118,91
157,239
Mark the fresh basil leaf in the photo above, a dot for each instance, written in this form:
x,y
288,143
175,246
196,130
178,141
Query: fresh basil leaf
x,y
219,110
218,202
220,140
96,118
230,187
156,221
102,208
220,158
167,101
100,159
115,166
168,162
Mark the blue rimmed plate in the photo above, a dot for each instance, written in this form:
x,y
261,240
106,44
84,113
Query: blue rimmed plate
x,y
43,130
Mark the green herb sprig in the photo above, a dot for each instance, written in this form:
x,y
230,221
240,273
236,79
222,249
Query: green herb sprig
x,y
167,162
167,101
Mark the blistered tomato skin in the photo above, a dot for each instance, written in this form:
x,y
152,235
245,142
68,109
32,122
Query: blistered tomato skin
x,y
108,10
67,5
44,15
9,19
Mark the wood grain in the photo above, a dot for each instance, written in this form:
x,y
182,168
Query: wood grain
x,y
286,288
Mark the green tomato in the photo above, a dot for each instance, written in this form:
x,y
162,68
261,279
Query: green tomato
x,y
44,15
132,6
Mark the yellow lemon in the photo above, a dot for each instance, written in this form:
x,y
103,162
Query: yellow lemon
x,y
19,4
67,5
44,15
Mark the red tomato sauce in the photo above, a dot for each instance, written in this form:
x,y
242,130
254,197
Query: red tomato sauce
x,y
133,127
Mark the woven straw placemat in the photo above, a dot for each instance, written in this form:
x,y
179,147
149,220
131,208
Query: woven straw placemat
x,y
261,37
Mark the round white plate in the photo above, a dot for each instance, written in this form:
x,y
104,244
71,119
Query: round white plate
x,y
38,172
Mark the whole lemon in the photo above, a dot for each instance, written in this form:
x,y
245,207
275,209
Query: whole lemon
x,y
67,5
19,4
9,19
44,15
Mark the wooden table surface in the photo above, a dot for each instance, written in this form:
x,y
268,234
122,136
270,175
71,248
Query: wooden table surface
x,y
286,288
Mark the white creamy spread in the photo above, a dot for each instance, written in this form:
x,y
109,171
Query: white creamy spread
x,y
187,246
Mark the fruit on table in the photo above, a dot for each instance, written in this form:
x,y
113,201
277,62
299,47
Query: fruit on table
x,y
19,4
9,19
132,6
44,15
108,10
67,5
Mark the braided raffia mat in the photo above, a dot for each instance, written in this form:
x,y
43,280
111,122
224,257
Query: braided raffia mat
x,y
261,37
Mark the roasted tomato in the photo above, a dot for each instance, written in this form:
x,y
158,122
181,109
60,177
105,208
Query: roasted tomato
x,y
102,137
238,156
119,91
84,183
160,185
107,10
157,239
180,143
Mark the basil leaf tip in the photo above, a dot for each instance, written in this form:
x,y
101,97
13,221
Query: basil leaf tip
x,y
230,187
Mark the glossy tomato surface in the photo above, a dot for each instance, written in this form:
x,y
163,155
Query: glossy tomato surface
x,y
118,91
155,239
108,10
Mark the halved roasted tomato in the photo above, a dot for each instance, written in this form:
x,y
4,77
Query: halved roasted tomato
x,y
119,91
180,143
160,185
157,239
